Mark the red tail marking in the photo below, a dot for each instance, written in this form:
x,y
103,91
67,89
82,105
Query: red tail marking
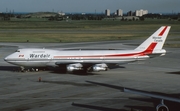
x,y
162,32
150,48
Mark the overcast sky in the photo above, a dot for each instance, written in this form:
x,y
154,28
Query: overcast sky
x,y
153,6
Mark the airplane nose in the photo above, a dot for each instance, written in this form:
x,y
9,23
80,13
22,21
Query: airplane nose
x,y
6,59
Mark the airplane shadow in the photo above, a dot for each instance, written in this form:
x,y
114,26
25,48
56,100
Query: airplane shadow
x,y
74,73
9,68
176,72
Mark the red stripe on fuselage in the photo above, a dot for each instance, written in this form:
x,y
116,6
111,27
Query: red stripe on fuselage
x,y
147,51
162,32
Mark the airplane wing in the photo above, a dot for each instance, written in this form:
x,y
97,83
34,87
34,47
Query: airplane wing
x,y
139,92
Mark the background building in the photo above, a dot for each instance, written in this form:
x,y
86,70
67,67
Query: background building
x,y
107,12
140,12
119,12
130,13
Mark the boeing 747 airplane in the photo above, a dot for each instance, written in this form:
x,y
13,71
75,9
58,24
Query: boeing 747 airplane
x,y
90,60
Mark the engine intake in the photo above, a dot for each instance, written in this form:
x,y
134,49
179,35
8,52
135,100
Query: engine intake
x,y
74,67
100,67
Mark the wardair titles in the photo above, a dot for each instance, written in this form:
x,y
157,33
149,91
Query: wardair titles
x,y
39,55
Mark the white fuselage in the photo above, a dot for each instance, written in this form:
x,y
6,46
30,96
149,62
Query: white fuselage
x,y
47,57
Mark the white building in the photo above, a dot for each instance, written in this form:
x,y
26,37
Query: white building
x,y
119,12
140,12
107,12
61,13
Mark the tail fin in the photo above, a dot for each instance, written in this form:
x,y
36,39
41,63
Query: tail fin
x,y
155,41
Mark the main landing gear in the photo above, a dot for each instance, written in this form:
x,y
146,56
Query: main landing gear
x,y
23,69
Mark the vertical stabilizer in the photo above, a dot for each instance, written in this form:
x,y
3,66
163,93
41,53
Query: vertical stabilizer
x,y
157,40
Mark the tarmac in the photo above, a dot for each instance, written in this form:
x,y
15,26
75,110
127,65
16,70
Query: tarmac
x,y
55,91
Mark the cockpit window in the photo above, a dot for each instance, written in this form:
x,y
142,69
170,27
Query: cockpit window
x,y
17,51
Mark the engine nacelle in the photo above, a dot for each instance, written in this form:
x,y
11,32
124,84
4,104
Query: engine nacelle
x,y
100,67
74,67
162,107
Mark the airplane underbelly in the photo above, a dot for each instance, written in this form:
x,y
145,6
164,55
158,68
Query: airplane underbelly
x,y
31,63
109,60
39,63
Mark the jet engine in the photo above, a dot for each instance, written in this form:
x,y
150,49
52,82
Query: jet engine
x,y
100,67
74,67
162,107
